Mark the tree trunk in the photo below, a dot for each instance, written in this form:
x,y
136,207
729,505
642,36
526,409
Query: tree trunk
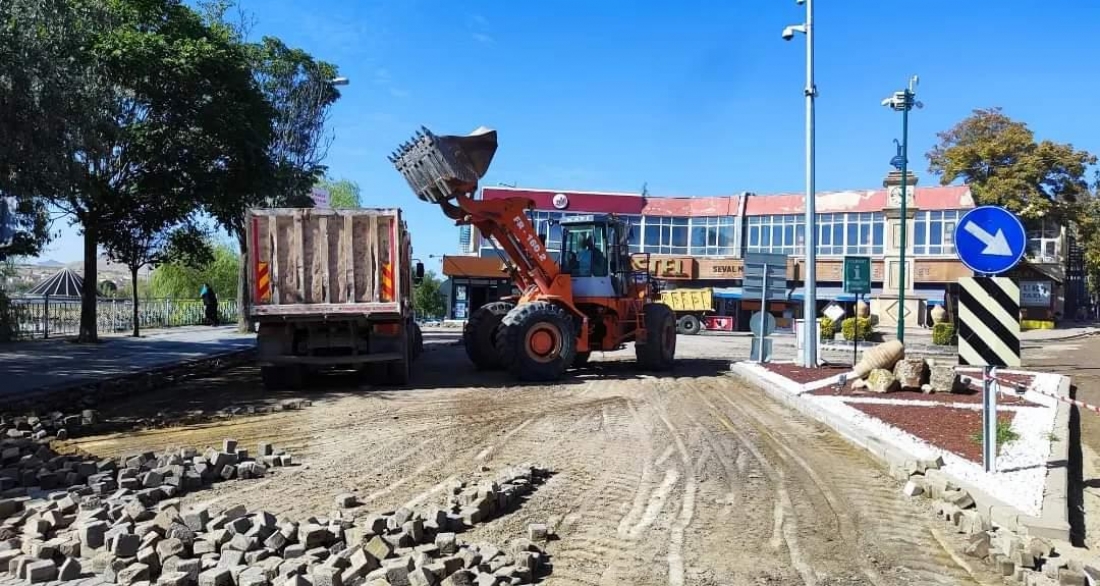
x,y
88,330
134,295
243,324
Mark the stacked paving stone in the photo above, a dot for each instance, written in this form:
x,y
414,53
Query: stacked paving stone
x,y
1027,560
59,426
130,538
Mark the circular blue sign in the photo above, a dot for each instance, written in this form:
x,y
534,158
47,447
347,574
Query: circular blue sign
x,y
989,240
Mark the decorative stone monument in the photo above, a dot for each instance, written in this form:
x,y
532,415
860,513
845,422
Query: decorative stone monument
x,y
888,307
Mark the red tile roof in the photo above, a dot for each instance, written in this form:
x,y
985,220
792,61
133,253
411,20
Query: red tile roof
x,y
951,197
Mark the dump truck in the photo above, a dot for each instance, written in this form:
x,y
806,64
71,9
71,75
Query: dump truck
x,y
691,307
332,289
589,296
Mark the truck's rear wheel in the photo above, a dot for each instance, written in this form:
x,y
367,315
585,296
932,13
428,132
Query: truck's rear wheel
x,y
537,341
416,341
397,372
480,334
689,324
658,350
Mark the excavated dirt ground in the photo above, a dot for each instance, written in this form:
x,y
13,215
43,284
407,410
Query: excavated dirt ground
x,y
691,478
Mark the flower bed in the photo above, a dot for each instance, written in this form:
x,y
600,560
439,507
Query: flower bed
x,y
968,396
944,427
802,375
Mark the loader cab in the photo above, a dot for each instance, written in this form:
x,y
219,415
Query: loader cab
x,y
592,253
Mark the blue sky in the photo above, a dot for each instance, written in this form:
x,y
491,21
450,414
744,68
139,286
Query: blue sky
x,y
691,97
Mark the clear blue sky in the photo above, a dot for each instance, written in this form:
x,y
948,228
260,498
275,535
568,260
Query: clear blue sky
x,y
691,97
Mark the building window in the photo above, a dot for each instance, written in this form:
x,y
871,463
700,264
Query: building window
x,y
665,235
712,236
776,234
1044,241
856,233
934,232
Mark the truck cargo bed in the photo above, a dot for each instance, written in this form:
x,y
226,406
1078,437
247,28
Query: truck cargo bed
x,y
315,262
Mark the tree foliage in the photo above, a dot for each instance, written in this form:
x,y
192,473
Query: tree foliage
x,y
342,193
155,115
1003,164
182,280
296,87
428,300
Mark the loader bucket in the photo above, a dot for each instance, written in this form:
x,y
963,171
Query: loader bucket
x,y
439,167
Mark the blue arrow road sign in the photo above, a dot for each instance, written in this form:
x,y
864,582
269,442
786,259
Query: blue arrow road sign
x,y
990,240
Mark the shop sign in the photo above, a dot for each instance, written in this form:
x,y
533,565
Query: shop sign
x,y
721,269
1035,293
667,267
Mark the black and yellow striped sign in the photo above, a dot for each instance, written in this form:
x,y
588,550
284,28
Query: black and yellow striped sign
x,y
989,321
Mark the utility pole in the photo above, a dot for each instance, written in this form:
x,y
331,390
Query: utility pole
x,y
809,277
903,102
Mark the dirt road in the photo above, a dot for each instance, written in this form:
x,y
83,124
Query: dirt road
x,y
692,478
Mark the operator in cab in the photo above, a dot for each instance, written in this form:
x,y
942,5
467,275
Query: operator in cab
x,y
591,262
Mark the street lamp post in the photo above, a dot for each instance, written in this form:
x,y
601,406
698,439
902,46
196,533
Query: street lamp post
x,y
903,101
809,279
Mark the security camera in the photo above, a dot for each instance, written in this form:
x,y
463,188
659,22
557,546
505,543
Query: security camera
x,y
788,33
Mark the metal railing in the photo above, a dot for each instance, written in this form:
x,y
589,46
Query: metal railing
x,y
43,317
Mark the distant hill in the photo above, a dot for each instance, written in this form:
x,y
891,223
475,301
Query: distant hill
x,y
50,263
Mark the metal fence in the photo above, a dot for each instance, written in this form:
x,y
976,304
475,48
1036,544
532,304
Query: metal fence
x,y
43,317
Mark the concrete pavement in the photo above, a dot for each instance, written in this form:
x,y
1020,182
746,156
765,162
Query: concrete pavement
x,y
27,367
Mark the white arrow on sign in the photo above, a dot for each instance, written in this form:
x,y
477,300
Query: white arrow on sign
x,y
995,244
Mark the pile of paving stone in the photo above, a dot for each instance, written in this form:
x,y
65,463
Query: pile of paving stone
x,y
60,426
1025,559
130,538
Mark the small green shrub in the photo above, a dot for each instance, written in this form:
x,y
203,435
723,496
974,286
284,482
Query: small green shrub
x,y
943,334
856,326
1005,435
827,328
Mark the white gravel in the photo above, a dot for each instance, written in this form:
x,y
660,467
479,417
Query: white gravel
x,y
1021,464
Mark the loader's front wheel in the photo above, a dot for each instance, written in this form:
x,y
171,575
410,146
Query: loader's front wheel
x,y
658,350
480,335
537,341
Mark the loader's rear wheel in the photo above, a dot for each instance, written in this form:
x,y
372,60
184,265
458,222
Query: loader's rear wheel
x,y
658,350
537,341
480,335
689,325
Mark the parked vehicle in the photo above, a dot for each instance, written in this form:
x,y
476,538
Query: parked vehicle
x,y
691,307
332,289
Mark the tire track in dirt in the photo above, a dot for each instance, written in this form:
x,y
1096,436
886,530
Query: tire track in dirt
x,y
902,533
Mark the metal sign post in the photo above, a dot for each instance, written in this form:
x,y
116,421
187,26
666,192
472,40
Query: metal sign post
x,y
766,277
989,421
763,312
989,240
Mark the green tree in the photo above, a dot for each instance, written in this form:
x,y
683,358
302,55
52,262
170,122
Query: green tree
x,y
342,193
140,238
297,87
1003,164
428,298
182,280
157,106
42,45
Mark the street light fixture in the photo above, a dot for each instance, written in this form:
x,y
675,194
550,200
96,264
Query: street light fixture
x,y
809,311
339,81
903,101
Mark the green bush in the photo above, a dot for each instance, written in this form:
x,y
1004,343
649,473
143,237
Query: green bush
x,y
849,328
827,328
943,334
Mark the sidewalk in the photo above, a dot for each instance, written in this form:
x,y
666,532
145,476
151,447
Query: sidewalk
x,y
33,365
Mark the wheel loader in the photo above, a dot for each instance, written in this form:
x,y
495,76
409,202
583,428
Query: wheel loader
x,y
594,296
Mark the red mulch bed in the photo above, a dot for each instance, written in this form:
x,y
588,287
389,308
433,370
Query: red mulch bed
x,y
970,395
944,427
805,375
